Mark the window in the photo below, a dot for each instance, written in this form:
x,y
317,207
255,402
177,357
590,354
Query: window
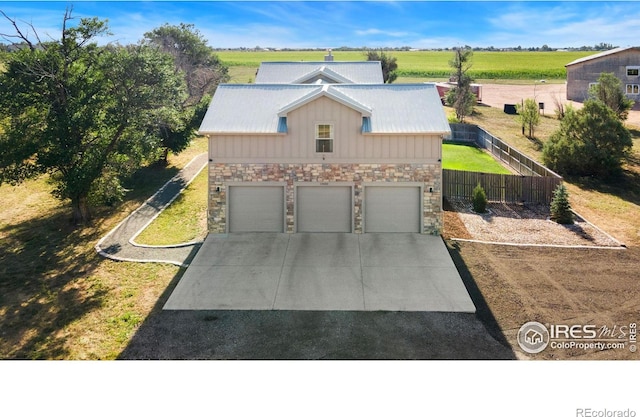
x,y
633,88
324,138
633,71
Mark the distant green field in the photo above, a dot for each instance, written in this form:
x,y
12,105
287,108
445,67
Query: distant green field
x,y
469,158
434,64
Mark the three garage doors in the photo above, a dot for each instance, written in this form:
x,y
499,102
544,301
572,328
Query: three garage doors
x,y
324,208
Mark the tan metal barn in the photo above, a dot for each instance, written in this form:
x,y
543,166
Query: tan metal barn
x,y
624,63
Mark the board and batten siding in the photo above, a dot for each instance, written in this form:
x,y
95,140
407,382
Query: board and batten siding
x,y
350,145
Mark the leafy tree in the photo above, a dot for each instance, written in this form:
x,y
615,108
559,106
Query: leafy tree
x,y
529,115
82,113
479,199
560,208
461,98
590,141
608,89
389,65
202,71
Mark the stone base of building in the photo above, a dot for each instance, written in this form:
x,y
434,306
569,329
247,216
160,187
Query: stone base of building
x,y
429,176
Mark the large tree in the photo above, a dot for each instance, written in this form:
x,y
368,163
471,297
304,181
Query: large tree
x,y
461,97
388,62
202,71
608,89
590,141
82,113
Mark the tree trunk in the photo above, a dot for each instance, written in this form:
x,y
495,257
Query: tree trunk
x,y
164,159
81,212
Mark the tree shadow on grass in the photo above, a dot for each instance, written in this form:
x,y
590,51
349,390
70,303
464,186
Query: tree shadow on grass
x,y
46,265
43,261
625,185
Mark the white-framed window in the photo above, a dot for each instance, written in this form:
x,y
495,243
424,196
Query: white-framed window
x,y
324,137
633,88
633,71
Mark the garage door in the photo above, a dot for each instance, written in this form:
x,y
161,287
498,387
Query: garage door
x,y
256,209
323,209
392,209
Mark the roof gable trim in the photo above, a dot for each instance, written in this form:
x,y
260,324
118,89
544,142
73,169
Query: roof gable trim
x,y
322,71
330,93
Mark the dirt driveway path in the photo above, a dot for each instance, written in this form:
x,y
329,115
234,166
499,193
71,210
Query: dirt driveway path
x,y
497,95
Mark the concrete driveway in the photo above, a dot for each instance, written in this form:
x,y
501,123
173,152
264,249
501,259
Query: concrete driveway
x,y
322,271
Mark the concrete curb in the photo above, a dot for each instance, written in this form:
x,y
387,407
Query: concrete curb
x,y
537,245
178,245
599,229
159,250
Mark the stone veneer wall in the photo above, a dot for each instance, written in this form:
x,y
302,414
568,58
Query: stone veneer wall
x,y
428,174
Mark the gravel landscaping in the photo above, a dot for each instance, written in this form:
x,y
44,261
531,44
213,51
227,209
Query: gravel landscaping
x,y
524,224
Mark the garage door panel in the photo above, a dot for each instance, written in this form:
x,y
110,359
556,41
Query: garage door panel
x,y
394,209
324,209
256,209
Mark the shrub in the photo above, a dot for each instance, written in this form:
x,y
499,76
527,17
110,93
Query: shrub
x,y
560,208
479,199
590,141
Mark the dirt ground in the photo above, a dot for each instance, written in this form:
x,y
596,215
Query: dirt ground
x,y
512,285
497,95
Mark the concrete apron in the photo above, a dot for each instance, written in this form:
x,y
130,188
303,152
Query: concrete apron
x,y
322,271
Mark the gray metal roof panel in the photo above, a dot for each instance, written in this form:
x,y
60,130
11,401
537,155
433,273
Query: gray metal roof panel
x,y
250,108
359,72
392,108
400,108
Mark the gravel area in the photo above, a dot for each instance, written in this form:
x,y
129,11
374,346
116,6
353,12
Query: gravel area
x,y
527,224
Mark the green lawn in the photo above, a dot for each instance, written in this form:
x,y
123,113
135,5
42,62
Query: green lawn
x,y
470,158
184,220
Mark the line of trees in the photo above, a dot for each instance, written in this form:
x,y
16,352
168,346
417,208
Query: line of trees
x,y
90,115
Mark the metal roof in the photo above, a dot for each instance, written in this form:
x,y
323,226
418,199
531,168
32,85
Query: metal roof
x,y
391,108
400,108
326,91
359,72
602,54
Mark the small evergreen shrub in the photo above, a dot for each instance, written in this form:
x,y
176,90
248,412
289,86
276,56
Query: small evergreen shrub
x,y
479,199
560,208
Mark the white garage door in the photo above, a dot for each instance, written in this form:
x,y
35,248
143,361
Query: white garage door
x,y
323,209
392,209
256,209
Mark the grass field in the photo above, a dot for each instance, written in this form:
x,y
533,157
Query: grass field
x,y
432,64
470,158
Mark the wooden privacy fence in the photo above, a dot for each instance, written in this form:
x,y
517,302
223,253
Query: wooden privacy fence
x,y
499,187
535,184
501,150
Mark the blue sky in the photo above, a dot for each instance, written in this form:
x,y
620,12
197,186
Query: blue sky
x,y
419,24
